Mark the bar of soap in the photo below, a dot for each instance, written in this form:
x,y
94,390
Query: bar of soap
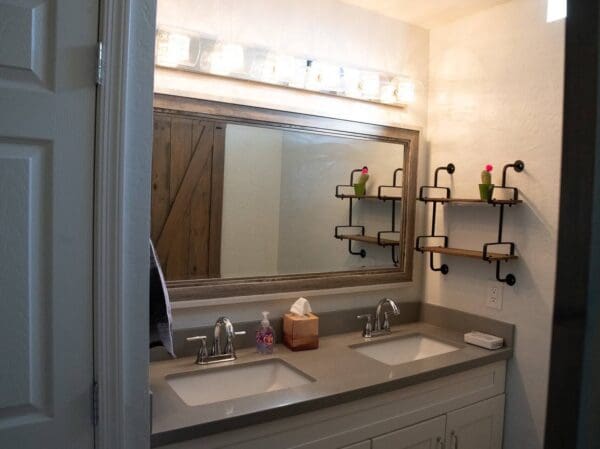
x,y
482,340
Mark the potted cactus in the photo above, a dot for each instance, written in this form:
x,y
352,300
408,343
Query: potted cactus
x,y
486,187
360,187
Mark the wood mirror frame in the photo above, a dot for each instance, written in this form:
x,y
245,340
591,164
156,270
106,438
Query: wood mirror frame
x,y
209,288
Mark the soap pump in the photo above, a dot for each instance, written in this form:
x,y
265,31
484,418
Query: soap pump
x,y
265,336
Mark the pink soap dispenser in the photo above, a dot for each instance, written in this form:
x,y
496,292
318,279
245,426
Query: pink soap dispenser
x,y
265,336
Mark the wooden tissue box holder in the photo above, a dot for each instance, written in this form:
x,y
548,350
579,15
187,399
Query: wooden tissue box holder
x,y
301,332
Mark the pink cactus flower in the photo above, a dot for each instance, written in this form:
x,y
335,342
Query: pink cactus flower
x,y
489,168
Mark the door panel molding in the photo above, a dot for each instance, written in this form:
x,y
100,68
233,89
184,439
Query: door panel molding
x,y
29,61
25,310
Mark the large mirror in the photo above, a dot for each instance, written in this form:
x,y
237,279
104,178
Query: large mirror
x,y
248,201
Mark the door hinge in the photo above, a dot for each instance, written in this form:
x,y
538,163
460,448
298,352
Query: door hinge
x,y
100,64
95,405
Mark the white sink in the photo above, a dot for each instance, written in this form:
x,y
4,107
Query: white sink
x,y
220,384
404,349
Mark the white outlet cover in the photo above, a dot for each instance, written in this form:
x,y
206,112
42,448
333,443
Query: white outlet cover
x,y
494,296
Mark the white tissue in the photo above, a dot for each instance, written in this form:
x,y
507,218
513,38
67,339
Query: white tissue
x,y
301,307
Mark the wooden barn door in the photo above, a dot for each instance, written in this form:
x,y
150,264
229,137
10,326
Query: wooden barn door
x,y
187,195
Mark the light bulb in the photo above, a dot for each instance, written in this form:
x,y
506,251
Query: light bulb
x,y
388,94
405,92
172,48
351,82
227,58
282,69
324,77
313,76
298,78
369,84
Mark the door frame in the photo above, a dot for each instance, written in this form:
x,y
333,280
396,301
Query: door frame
x,y
573,407
121,210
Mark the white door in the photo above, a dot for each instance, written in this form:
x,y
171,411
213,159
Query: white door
x,y
478,426
47,113
425,435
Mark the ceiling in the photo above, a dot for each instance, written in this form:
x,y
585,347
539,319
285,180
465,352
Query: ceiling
x,y
425,13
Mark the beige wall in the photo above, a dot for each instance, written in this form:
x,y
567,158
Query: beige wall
x,y
496,83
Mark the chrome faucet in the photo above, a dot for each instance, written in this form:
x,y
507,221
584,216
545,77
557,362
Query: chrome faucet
x,y
386,322
217,349
217,353
379,328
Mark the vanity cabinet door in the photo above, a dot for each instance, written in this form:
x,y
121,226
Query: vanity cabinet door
x,y
425,435
477,426
361,445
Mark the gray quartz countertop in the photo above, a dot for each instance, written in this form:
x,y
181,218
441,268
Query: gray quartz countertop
x,y
340,374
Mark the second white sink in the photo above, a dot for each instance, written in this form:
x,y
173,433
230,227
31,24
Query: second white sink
x,y
404,349
231,382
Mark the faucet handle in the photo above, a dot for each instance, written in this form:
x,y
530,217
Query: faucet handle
x,y
229,348
196,338
368,330
386,321
203,351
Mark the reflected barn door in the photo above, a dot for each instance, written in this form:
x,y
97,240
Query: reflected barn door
x,y
187,195
47,120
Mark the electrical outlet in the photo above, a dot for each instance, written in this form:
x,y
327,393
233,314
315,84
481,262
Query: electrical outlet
x,y
494,297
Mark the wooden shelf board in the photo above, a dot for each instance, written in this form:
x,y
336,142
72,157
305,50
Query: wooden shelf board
x,y
467,253
369,239
470,201
369,197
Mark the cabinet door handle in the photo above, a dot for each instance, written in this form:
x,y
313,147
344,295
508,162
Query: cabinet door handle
x,y
440,443
454,440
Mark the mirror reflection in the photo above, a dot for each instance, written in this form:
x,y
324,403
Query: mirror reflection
x,y
233,201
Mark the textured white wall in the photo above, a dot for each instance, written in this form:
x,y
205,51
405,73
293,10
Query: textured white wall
x,y
251,196
496,86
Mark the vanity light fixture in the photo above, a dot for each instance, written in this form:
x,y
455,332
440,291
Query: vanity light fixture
x,y
188,51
